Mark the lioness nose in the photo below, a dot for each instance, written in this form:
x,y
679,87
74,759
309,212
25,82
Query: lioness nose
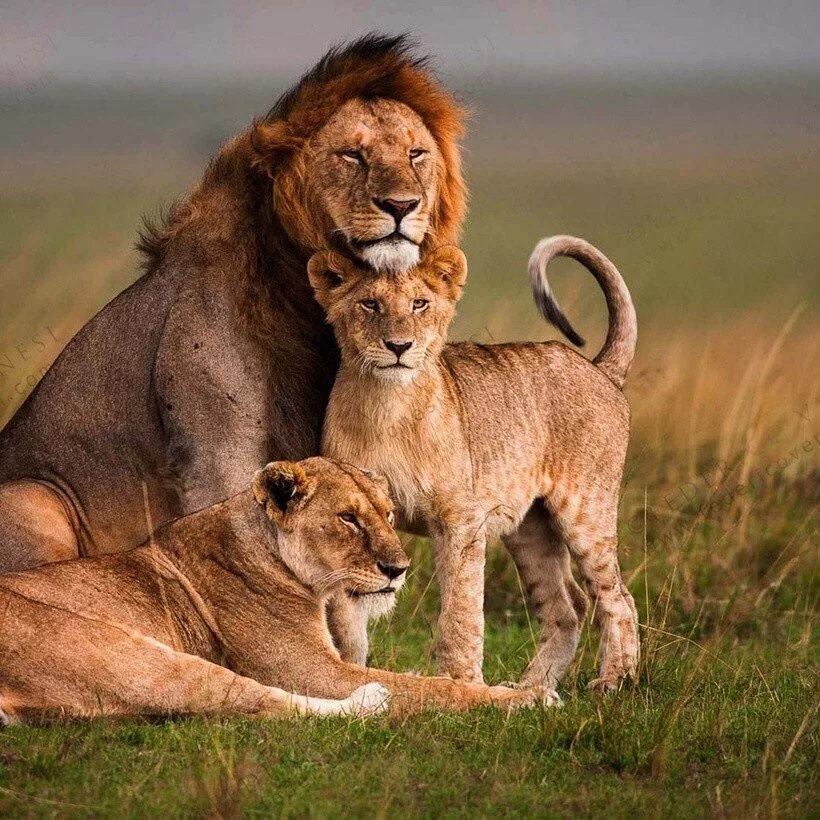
x,y
397,208
390,570
397,347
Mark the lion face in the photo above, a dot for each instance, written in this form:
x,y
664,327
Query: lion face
x,y
334,527
370,175
390,326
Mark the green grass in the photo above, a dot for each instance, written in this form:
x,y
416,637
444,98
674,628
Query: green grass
x,y
723,720
719,252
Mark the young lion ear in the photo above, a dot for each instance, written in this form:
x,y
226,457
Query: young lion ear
x,y
280,487
327,271
446,270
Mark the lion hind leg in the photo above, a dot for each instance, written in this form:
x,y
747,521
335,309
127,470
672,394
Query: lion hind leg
x,y
590,526
35,528
543,563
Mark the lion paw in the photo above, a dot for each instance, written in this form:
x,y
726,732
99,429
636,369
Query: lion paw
x,y
367,700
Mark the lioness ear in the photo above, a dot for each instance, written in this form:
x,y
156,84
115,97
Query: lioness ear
x,y
280,487
445,271
327,271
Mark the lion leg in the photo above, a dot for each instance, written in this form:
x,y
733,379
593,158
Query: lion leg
x,y
590,525
543,563
347,623
416,693
120,672
460,551
34,526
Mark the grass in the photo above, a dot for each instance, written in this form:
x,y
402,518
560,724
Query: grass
x,y
718,521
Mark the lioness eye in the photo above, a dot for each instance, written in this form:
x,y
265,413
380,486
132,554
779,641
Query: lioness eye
x,y
352,156
370,305
350,520
419,305
417,152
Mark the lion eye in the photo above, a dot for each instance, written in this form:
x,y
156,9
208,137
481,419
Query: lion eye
x,y
350,520
352,156
370,305
417,153
420,305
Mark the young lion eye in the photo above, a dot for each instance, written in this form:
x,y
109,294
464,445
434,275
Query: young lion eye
x,y
370,305
350,520
420,305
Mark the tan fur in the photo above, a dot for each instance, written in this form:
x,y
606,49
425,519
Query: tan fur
x,y
520,441
222,613
218,358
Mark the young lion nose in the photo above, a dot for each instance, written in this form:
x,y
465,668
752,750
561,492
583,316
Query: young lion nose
x,y
390,570
397,208
397,347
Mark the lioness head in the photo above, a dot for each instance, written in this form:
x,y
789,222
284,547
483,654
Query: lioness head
x,y
334,527
389,326
364,156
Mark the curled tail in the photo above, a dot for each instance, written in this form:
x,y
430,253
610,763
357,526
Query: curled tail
x,y
618,351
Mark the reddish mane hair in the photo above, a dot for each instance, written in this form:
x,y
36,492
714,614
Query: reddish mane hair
x,y
372,66
228,216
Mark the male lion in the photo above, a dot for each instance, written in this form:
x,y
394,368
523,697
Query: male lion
x,y
218,609
218,359
522,441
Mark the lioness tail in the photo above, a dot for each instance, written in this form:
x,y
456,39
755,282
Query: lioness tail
x,y
618,351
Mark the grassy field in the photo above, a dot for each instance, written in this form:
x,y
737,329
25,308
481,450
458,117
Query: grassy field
x,y
718,515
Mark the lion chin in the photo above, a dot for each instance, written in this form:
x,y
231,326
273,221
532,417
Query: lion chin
x,y
393,255
378,605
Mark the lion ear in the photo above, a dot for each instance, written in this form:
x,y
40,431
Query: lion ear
x,y
273,143
327,271
445,271
282,487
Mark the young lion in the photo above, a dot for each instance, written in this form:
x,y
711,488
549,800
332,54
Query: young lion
x,y
223,607
522,441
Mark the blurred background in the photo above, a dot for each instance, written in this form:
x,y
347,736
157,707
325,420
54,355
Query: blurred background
x,y
680,138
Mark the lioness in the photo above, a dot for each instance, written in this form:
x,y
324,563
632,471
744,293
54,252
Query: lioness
x,y
522,441
218,359
220,608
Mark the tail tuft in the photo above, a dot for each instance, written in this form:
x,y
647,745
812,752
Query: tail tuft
x,y
618,351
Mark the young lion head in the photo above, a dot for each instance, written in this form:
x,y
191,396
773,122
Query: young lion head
x,y
334,529
389,326
364,156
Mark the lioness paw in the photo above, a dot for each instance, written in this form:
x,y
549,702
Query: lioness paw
x,y
370,699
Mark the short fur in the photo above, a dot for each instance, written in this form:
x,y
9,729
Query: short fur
x,y
522,441
218,612
218,359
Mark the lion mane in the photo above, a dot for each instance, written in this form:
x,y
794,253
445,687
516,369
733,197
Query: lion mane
x,y
247,168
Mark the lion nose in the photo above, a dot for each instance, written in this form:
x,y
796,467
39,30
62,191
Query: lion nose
x,y
397,347
392,571
397,208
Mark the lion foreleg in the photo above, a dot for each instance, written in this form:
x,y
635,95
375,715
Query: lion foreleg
x,y
347,622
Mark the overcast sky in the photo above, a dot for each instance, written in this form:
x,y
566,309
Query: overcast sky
x,y
115,39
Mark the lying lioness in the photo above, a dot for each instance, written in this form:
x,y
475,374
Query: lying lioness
x,y
523,441
221,608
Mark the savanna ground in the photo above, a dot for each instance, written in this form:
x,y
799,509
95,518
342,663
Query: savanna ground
x,y
707,196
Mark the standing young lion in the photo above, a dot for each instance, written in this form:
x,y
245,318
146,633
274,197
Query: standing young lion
x,y
522,441
221,612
